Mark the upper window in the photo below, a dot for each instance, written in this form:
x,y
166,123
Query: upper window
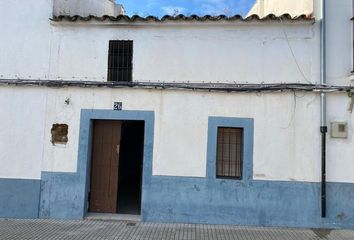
x,y
229,152
120,61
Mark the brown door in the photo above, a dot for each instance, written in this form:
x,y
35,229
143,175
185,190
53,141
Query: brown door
x,y
104,166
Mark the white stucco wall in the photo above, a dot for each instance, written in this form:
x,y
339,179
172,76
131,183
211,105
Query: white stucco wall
x,y
275,118
22,114
204,52
287,140
25,39
339,67
196,54
339,41
231,53
87,7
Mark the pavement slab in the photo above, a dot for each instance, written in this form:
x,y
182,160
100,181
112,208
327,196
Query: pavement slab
x,y
125,230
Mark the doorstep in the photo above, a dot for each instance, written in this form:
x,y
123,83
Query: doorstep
x,y
113,217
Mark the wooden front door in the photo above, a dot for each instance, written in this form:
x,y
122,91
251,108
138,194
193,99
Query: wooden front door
x,y
104,166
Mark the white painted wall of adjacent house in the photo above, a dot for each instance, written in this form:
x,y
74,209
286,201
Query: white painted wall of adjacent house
x,y
287,139
280,7
340,65
21,132
87,7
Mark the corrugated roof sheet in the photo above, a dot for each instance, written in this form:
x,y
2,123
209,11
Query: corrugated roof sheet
x,y
182,18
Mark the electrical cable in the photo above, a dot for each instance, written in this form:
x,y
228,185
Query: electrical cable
x,y
217,87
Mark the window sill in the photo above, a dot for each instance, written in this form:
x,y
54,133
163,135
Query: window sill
x,y
229,178
232,182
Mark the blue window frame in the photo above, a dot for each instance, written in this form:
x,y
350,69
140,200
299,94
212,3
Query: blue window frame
x,y
247,125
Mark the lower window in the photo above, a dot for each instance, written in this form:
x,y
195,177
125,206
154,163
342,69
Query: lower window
x,y
229,158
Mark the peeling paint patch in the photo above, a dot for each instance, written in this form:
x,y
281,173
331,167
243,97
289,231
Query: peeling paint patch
x,y
59,134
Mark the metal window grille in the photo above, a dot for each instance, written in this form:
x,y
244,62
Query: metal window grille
x,y
120,61
229,153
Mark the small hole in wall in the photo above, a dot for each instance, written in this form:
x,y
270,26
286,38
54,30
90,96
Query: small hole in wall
x,y
59,134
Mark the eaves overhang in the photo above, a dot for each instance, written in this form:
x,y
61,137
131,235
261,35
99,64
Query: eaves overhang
x,y
183,19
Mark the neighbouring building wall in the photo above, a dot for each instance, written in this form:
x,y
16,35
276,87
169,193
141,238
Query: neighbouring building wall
x,y
87,7
25,39
339,69
24,51
280,7
22,133
339,41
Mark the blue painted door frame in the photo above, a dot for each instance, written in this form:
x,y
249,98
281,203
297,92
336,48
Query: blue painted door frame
x,y
87,117
65,195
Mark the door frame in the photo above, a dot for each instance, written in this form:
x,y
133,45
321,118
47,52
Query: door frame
x,y
85,146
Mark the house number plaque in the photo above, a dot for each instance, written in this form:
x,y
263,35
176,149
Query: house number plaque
x,y
118,106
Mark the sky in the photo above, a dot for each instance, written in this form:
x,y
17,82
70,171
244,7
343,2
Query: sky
x,y
186,7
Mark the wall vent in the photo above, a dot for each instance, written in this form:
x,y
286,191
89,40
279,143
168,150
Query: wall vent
x,y
339,130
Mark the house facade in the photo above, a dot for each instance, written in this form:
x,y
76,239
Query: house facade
x,y
180,119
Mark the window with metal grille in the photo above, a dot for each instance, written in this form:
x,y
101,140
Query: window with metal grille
x,y
120,61
229,153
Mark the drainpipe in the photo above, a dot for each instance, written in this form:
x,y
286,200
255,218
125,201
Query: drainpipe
x,y
323,127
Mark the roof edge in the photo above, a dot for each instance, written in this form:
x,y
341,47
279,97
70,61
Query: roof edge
x,y
182,18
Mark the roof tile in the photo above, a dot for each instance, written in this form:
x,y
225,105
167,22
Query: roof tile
x,y
181,17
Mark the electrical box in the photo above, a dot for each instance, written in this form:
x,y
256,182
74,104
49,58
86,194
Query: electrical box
x,y
339,130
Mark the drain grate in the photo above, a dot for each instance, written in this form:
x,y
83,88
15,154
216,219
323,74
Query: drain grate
x,y
131,224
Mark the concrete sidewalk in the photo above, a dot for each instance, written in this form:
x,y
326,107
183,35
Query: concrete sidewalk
x,y
98,229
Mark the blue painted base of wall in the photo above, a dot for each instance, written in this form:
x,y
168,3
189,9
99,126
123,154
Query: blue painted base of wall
x,y
190,200
19,198
257,203
62,196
